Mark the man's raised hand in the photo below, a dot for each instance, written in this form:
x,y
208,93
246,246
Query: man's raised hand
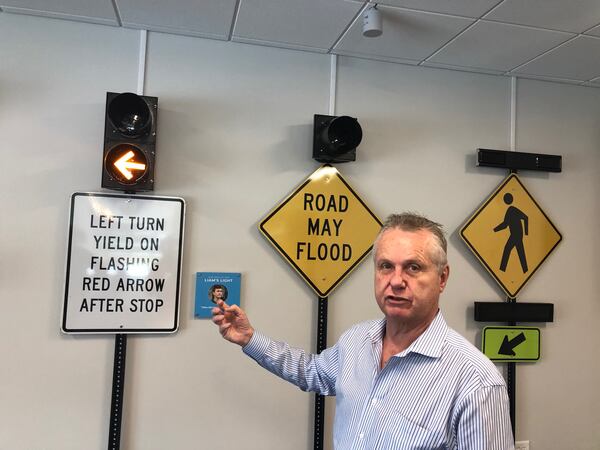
x,y
233,323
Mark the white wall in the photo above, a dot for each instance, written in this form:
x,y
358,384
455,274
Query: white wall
x,y
234,138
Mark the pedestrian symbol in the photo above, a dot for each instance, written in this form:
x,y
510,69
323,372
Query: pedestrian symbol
x,y
517,223
510,235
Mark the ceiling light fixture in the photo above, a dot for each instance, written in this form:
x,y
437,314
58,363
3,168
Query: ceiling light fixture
x,y
372,23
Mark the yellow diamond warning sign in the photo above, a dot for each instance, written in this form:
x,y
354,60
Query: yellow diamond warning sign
x,y
323,229
511,235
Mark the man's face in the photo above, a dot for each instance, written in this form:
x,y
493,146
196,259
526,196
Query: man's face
x,y
408,283
218,294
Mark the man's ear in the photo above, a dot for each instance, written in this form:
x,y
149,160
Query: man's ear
x,y
444,277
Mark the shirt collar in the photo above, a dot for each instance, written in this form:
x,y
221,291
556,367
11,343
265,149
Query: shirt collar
x,y
429,343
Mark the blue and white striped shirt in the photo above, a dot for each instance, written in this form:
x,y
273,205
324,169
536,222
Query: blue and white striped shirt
x,y
439,393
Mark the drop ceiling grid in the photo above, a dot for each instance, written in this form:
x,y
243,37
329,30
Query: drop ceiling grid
x,y
553,40
498,46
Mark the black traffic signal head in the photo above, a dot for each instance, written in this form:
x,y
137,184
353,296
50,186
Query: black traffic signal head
x,y
335,138
129,142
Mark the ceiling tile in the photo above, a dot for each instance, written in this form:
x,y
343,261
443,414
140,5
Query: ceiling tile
x,y
406,34
468,8
574,16
211,18
578,59
293,23
96,11
498,46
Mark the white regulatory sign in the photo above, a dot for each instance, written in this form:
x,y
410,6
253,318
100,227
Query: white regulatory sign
x,y
123,264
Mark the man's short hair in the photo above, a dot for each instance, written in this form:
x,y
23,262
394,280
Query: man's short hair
x,y
409,221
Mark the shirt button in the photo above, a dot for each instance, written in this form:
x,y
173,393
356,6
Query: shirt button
x,y
361,435
374,401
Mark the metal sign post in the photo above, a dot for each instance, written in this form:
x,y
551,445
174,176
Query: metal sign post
x,y
118,388
323,230
511,384
320,399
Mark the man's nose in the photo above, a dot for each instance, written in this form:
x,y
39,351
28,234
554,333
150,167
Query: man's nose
x,y
398,281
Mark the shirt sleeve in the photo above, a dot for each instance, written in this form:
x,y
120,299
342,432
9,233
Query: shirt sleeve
x,y
484,422
310,372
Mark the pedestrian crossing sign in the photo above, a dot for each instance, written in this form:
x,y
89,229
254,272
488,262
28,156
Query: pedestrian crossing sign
x,y
511,235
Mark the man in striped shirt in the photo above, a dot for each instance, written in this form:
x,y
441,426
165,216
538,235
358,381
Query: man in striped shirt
x,y
406,381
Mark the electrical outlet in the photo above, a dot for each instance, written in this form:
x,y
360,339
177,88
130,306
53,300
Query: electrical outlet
x,y
522,445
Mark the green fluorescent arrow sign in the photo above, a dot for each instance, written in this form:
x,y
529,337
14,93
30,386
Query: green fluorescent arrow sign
x,y
512,344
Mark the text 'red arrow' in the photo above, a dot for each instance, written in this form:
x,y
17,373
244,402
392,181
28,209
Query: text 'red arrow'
x,y
123,165
507,347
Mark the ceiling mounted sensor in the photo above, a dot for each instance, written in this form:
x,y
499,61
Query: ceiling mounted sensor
x,y
372,22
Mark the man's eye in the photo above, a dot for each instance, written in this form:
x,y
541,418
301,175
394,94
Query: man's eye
x,y
414,267
385,266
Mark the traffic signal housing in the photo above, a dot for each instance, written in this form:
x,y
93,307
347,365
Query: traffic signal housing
x,y
335,138
129,142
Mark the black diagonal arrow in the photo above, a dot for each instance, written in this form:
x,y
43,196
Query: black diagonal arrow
x,y
507,347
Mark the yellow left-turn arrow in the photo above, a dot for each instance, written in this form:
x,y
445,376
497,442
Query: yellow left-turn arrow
x,y
124,165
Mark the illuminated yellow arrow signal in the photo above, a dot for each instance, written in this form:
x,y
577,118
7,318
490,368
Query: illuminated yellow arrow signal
x,y
124,165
